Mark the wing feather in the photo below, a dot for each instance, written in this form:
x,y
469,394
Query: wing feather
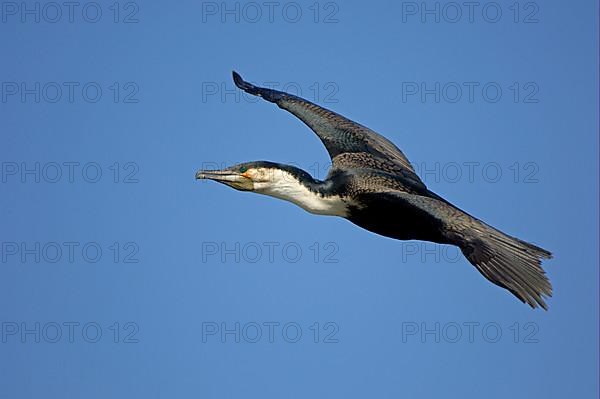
x,y
339,134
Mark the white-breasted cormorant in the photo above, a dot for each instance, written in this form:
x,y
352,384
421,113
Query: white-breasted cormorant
x,y
372,184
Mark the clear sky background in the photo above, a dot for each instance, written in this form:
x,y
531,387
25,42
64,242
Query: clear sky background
x,y
144,97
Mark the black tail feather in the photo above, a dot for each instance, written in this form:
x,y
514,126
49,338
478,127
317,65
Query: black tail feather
x,y
508,262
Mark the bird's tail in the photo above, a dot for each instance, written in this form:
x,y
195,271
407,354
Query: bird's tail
x,y
507,261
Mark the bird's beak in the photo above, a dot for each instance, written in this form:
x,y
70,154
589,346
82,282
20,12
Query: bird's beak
x,y
229,177
214,174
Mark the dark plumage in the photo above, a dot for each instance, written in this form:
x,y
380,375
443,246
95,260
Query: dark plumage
x,y
372,184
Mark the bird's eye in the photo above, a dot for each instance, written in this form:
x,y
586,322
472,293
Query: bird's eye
x,y
243,169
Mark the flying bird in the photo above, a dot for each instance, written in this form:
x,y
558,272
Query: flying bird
x,y
373,185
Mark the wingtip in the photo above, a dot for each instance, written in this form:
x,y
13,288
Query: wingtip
x,y
240,82
237,79
267,94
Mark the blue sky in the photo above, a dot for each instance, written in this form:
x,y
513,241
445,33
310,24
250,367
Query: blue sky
x,y
122,276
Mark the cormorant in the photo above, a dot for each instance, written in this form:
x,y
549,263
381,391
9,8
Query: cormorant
x,y
372,184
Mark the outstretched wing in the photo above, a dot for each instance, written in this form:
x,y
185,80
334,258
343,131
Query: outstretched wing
x,y
349,144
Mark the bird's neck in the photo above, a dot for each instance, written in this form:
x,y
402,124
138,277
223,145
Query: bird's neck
x,y
312,195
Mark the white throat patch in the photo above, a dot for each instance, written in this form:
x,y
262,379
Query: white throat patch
x,y
285,186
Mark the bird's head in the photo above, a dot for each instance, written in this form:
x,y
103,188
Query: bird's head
x,y
256,176
281,181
